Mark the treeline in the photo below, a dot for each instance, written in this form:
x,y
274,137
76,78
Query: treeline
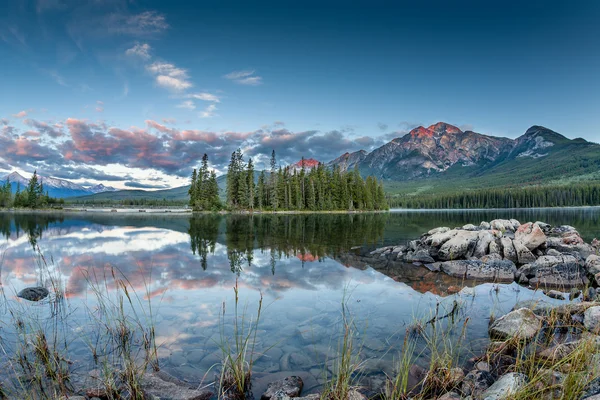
x,y
204,189
292,188
32,196
583,194
130,202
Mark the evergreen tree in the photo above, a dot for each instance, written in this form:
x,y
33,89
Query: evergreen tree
x,y
250,184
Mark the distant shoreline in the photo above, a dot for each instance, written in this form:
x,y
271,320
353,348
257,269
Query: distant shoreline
x,y
174,211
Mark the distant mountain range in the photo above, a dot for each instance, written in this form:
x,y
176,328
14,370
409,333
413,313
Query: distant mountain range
x,y
437,158
55,187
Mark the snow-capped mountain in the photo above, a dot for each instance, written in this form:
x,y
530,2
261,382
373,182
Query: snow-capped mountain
x,y
59,188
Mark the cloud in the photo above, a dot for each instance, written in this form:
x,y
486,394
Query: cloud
x,y
169,76
145,23
245,77
134,184
99,106
204,96
4,121
209,111
171,121
187,104
382,126
139,50
20,114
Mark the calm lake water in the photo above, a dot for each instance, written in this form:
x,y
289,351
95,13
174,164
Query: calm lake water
x,y
186,267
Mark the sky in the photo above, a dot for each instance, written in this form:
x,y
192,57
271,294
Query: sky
x,y
132,93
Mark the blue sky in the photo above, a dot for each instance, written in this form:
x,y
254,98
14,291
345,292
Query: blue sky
x,y
113,91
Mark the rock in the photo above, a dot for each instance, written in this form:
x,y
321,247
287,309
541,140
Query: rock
x,y
458,246
484,238
421,256
553,252
592,390
290,387
555,294
482,366
33,293
524,255
442,229
495,247
543,226
485,225
476,382
597,278
354,394
96,392
493,271
502,225
531,235
505,387
564,272
559,351
539,307
160,385
469,227
522,324
592,264
572,238
508,250
591,319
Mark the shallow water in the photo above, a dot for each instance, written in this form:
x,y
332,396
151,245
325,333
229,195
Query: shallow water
x,y
186,268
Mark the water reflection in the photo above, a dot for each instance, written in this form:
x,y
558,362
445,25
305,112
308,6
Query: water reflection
x,y
303,264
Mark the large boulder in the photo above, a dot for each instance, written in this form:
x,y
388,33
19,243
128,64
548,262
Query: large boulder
x,y
505,387
421,255
521,324
592,264
531,235
482,248
503,225
491,271
563,271
439,238
524,255
508,250
458,246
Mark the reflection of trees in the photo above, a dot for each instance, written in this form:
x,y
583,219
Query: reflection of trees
x,y
33,225
203,236
306,236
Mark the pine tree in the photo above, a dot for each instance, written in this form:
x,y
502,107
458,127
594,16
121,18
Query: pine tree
x,y
250,184
260,191
192,191
273,192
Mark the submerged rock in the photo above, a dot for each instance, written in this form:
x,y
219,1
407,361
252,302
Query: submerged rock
x,y
160,385
34,293
505,387
288,387
522,324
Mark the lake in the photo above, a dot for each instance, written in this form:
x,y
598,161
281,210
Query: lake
x,y
304,266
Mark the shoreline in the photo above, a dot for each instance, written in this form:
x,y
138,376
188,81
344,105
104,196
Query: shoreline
x,y
174,211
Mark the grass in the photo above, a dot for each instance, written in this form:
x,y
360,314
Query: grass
x,y
238,351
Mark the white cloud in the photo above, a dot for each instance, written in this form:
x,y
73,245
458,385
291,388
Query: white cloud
x,y
245,77
189,104
139,50
209,111
146,23
204,96
20,114
169,76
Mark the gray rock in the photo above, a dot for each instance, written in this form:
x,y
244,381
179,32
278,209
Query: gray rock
x,y
591,319
564,272
160,385
522,324
476,382
539,307
420,255
492,271
485,225
555,294
458,246
439,238
592,264
502,225
34,293
531,235
289,387
469,227
442,229
592,390
495,247
524,255
543,226
505,387
553,252
484,238
508,250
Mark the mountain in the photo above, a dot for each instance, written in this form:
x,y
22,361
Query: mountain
x,y
55,187
348,160
443,157
177,194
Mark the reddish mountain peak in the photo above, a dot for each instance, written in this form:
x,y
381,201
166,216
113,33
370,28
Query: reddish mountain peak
x,y
442,127
307,163
421,132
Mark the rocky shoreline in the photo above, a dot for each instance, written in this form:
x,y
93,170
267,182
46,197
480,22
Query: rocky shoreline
x,y
502,251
